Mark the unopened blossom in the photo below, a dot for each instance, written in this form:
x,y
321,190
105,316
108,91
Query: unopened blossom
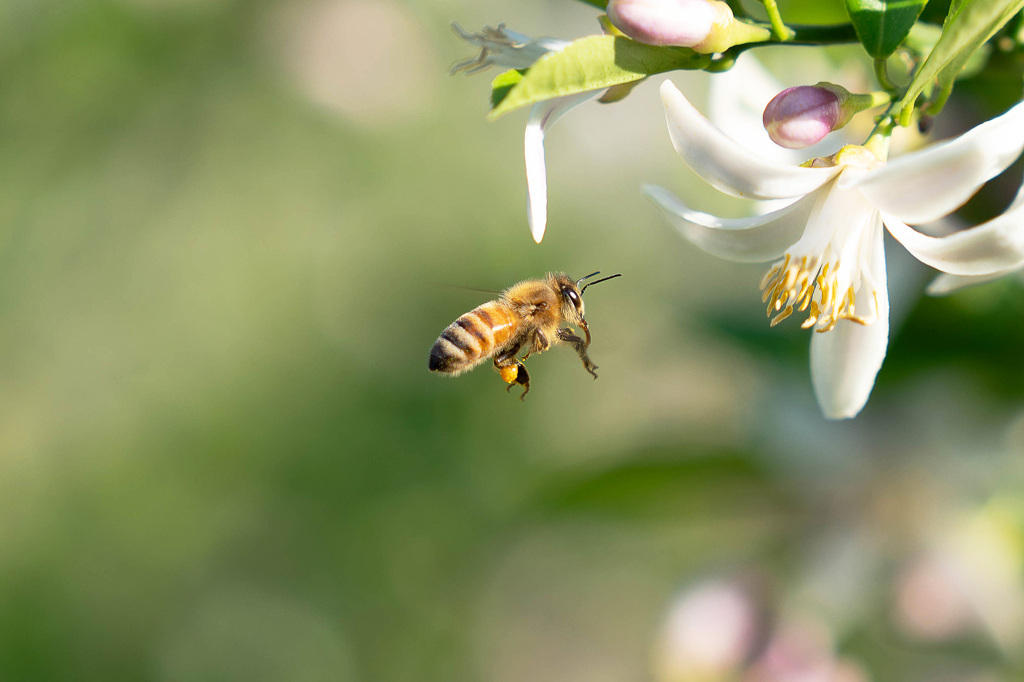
x,y
510,50
827,245
663,22
704,25
802,116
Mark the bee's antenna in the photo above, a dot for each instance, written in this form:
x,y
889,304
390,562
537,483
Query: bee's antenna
x,y
597,281
586,277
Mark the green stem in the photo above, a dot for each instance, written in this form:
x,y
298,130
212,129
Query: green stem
x,y
600,4
802,36
858,103
823,35
878,141
940,100
779,29
882,74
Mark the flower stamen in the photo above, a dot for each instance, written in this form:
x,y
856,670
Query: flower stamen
x,y
807,284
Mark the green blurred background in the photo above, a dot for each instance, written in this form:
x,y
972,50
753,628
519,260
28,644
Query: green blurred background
x,y
231,233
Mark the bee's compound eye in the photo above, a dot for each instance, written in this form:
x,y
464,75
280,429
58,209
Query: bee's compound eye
x,y
573,296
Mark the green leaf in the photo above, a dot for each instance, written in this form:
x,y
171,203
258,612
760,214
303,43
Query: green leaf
x,y
882,25
600,4
967,30
502,83
591,63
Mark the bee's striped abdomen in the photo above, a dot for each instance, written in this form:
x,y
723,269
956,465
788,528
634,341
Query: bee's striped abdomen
x,y
472,338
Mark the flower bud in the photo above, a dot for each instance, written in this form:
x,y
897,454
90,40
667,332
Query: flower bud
x,y
663,22
801,116
705,25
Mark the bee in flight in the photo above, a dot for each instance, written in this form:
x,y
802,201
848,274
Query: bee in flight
x,y
527,315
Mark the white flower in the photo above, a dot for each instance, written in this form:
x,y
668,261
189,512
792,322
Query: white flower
x,y
503,48
829,246
542,116
510,50
1009,228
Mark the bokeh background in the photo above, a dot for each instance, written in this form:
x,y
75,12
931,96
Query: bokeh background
x,y
231,232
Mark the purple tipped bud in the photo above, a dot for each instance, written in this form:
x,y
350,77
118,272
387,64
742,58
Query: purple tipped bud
x,y
663,22
801,116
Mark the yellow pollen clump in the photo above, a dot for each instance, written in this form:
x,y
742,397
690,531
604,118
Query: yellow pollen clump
x,y
798,285
509,373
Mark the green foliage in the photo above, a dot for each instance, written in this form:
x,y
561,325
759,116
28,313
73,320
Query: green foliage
x,y
592,63
973,23
502,83
883,24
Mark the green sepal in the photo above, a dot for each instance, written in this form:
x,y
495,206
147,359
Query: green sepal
x,y
882,25
591,63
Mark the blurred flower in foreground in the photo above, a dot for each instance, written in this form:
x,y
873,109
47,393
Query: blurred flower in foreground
x,y
704,25
709,633
802,650
829,241
802,116
967,578
510,50
716,632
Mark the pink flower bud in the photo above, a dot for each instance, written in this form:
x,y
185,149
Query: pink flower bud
x,y
663,22
801,116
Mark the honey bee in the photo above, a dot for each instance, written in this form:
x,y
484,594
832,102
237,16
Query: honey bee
x,y
527,315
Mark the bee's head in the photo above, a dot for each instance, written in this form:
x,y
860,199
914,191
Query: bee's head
x,y
571,294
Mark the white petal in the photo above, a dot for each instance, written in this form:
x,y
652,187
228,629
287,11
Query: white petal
x,y
926,185
846,360
995,246
727,165
742,240
944,284
542,116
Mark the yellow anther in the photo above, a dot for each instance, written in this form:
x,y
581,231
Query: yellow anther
x,y
781,316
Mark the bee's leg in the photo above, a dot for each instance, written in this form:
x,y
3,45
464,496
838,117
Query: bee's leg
x,y
522,378
540,344
580,346
540,341
512,370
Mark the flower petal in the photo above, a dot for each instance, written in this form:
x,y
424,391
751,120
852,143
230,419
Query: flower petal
x,y
741,240
926,185
727,165
944,284
504,48
846,360
542,116
994,246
